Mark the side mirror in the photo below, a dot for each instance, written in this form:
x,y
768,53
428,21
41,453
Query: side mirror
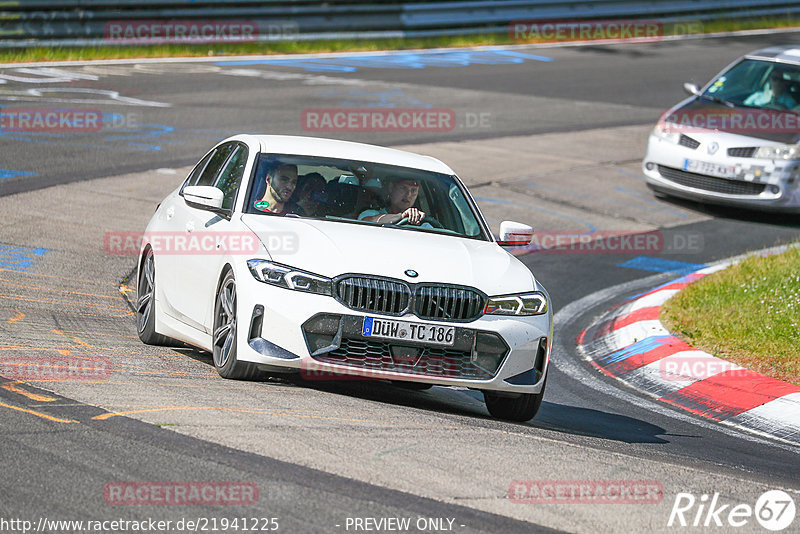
x,y
691,88
514,234
204,197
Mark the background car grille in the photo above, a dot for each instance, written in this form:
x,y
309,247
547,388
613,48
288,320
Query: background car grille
x,y
742,151
374,295
687,141
711,183
442,302
377,356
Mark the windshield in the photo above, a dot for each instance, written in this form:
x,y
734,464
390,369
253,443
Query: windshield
x,y
360,192
759,84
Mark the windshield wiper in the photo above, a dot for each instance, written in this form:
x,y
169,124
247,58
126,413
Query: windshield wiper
x,y
718,100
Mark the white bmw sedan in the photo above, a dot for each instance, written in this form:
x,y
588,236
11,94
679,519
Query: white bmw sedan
x,y
735,141
335,259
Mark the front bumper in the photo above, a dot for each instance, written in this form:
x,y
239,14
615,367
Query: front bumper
x,y
284,330
756,183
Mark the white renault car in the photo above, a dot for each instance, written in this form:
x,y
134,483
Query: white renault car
x,y
735,141
320,277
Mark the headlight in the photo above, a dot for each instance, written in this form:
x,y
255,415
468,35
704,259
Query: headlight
x,y
778,152
667,132
534,303
289,277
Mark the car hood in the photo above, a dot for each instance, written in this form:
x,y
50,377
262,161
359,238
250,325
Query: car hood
x,y
695,111
331,248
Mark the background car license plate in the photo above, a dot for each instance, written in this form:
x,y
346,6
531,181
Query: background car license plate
x,y
711,169
405,331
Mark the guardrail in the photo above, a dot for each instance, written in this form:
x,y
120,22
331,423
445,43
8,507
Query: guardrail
x,y
86,22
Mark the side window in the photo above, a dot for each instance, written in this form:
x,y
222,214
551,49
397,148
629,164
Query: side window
x,y
198,170
209,174
468,222
231,176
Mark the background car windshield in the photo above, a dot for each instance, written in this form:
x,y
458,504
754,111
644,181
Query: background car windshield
x,y
342,190
753,83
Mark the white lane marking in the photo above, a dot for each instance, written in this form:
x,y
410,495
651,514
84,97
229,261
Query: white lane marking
x,y
633,333
780,416
306,79
654,299
40,94
46,75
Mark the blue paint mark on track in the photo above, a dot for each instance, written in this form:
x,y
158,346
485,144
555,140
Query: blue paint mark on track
x,y
640,347
399,60
8,173
15,258
661,265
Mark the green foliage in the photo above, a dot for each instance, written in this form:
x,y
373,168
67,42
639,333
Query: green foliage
x,y
748,314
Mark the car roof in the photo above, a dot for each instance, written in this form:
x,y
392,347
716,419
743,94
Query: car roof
x,y
783,54
333,148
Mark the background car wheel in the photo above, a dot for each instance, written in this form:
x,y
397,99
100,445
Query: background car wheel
x,y
522,408
225,334
146,303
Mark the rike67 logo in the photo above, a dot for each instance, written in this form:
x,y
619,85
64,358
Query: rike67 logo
x,y
774,510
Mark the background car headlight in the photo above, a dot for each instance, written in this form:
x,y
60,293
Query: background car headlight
x,y
534,303
665,131
778,152
289,277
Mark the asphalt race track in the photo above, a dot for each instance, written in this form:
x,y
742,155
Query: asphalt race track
x,y
548,136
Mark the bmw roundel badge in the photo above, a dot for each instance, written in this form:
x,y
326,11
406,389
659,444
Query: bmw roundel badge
x,y
411,273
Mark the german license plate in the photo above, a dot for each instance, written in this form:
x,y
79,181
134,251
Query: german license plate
x,y
432,334
711,169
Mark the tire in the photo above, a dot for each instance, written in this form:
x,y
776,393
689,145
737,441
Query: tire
x,y
520,409
224,334
146,303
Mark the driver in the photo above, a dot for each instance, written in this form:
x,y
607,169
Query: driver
x,y
402,196
776,93
281,182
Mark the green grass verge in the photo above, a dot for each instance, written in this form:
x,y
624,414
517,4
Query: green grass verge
x,y
748,314
17,55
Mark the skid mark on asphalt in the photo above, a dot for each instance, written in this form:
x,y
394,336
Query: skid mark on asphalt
x,y
44,341
14,387
38,414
